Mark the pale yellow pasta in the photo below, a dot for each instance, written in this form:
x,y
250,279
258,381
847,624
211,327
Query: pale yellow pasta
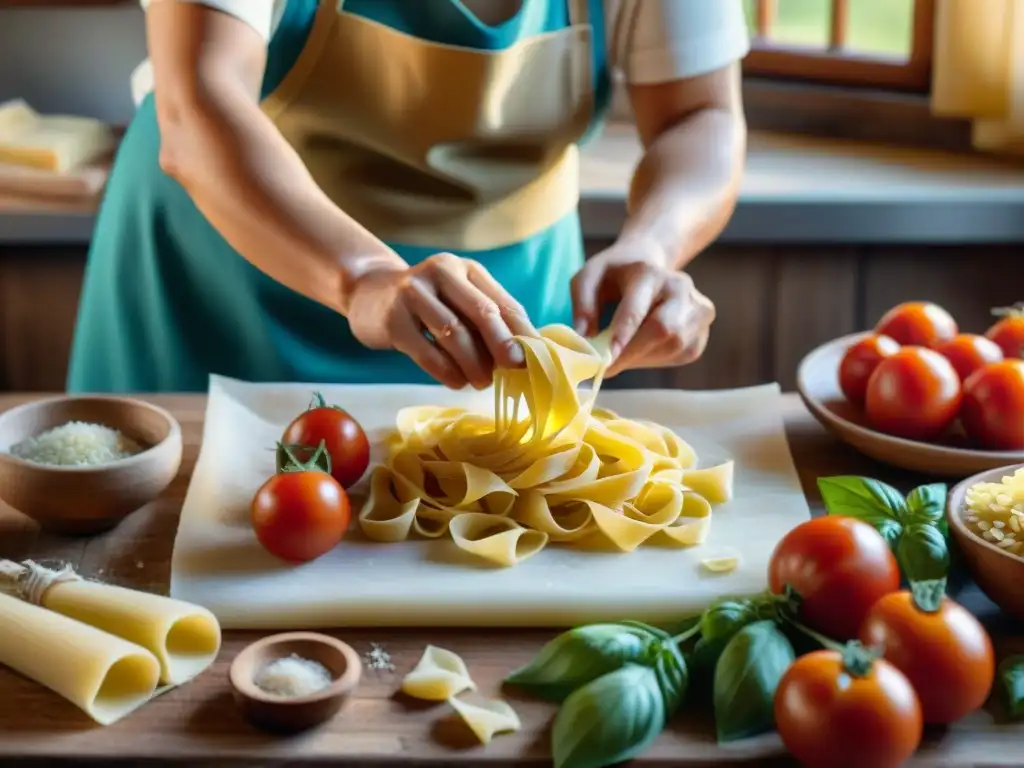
x,y
487,718
723,564
546,467
995,512
439,676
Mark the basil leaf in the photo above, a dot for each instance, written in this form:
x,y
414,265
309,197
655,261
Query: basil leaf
x,y
576,657
725,618
922,553
1011,686
655,631
871,501
672,675
746,676
609,720
927,504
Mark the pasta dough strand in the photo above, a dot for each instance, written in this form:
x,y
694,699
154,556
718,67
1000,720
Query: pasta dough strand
x,y
546,467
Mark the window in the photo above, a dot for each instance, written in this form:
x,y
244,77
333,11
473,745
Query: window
x,y
874,43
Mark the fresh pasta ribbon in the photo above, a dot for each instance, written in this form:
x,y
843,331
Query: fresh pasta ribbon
x,y
488,718
548,466
440,675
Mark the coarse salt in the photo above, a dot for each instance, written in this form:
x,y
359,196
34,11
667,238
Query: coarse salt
x,y
76,444
293,677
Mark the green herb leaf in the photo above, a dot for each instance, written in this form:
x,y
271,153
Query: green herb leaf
x,y
1010,680
871,501
922,553
655,631
725,618
927,504
576,657
746,676
672,674
609,720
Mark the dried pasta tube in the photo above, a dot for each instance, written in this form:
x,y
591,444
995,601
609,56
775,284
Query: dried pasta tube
x,y
105,676
185,638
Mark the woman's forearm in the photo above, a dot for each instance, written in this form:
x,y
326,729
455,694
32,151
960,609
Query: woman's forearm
x,y
254,189
684,190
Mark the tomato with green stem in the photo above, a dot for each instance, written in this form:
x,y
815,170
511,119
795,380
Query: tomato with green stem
x,y
914,394
347,446
967,352
860,361
918,323
838,567
1008,332
992,413
844,708
301,512
938,645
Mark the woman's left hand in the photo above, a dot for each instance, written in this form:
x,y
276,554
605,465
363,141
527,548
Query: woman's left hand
x,y
662,320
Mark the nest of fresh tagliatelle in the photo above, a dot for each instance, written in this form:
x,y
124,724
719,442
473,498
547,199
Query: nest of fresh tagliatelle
x,y
547,466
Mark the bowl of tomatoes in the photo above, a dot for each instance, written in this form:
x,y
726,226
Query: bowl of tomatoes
x,y
918,393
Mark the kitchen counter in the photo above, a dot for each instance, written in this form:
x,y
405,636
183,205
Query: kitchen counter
x,y
796,190
198,723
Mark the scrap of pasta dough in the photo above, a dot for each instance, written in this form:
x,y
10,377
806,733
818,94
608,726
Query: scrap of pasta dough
x,y
547,466
440,675
487,718
726,564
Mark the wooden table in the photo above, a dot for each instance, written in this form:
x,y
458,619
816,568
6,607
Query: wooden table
x,y
198,724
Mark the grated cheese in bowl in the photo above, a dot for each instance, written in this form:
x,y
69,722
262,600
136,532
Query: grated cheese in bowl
x,y
995,512
293,677
76,444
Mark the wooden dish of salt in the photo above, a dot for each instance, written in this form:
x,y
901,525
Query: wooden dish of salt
x,y
284,713
88,498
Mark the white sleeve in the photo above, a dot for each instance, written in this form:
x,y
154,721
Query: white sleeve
x,y
261,15
655,41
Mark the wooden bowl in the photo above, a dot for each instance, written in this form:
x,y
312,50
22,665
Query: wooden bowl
x,y
291,715
818,385
88,499
999,574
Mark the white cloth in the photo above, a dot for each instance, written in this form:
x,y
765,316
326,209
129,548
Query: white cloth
x,y
650,41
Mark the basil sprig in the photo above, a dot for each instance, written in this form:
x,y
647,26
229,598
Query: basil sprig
x,y
1010,683
914,526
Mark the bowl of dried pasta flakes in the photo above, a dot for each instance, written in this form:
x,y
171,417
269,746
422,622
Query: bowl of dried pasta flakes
x,y
986,518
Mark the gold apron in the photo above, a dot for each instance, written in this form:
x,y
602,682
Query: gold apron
x,y
436,145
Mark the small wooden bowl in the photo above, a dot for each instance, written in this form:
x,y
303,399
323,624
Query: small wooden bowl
x,y
283,715
90,499
998,573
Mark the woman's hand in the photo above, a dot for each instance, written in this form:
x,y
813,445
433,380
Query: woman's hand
x,y
662,320
471,318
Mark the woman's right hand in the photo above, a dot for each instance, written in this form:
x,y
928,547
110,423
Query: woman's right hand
x,y
470,316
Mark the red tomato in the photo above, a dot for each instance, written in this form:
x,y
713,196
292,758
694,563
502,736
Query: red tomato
x,y
344,439
829,717
860,362
945,654
1008,333
913,394
299,516
968,352
840,567
993,407
918,323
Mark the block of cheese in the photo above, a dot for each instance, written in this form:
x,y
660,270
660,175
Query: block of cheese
x,y
106,676
56,143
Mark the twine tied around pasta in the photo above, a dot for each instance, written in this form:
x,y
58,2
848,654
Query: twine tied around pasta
x,y
30,581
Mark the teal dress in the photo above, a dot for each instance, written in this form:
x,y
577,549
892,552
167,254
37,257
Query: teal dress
x,y
167,301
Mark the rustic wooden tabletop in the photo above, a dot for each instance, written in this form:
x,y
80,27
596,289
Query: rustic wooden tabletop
x,y
198,724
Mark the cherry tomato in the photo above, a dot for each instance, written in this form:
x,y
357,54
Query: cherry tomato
x,y
993,406
300,515
968,352
829,717
945,653
913,394
918,323
344,439
840,567
1008,333
860,362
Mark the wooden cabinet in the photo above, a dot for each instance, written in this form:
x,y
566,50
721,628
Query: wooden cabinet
x,y
774,305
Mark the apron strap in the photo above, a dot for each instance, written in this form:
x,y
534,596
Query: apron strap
x,y
579,12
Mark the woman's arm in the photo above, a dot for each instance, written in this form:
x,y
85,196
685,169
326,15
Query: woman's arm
x,y
240,172
684,189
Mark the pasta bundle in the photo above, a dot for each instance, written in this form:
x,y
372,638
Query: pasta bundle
x,y
546,467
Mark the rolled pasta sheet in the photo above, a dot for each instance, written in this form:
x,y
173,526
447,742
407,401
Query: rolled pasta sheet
x,y
488,718
105,676
184,638
439,675
496,539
